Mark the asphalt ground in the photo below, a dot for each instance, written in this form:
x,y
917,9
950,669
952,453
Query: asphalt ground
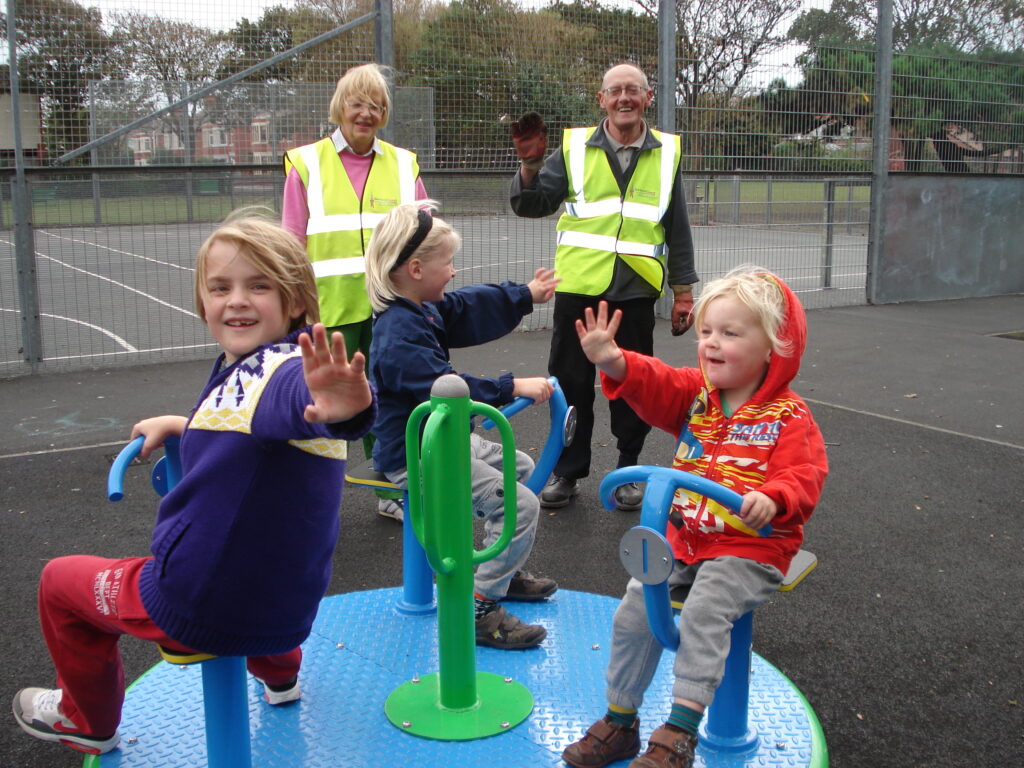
x,y
907,639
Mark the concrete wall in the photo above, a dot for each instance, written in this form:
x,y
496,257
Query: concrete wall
x,y
951,237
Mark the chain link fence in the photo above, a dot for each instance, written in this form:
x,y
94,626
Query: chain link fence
x,y
141,123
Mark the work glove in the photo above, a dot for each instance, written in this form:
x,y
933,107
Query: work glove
x,y
682,309
530,137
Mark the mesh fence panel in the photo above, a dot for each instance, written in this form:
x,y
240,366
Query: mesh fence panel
x,y
774,99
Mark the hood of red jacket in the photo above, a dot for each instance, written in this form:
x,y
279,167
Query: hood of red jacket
x,y
783,368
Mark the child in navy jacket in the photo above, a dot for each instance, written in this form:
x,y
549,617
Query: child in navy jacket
x,y
242,545
408,264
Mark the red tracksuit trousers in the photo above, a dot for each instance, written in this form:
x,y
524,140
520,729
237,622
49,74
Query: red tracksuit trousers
x,y
85,604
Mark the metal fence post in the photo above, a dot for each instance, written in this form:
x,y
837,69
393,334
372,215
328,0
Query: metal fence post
x,y
666,95
879,146
21,212
830,221
384,40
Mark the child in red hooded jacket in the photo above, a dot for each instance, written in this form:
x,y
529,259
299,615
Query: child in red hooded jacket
x,y
739,424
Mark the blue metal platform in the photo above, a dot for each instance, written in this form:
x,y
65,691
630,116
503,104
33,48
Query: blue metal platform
x,y
361,649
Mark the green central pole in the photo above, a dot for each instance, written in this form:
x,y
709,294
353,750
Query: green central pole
x,y
457,703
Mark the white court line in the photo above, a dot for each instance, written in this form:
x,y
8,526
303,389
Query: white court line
x,y
128,347
61,450
898,420
140,351
115,250
110,280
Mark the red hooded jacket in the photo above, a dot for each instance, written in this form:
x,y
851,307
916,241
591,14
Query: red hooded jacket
x,y
770,444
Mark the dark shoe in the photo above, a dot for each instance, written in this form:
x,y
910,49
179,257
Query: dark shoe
x,y
527,588
668,748
37,711
604,742
500,629
558,492
629,497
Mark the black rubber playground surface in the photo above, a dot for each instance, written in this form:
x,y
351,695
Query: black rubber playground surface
x,y
907,639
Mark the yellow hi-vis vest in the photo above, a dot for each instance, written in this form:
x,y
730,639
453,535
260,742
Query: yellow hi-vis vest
x,y
340,224
600,224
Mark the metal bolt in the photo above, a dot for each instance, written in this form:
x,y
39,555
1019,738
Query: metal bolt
x,y
340,646
595,647
406,724
415,678
133,739
505,724
508,679
780,745
625,551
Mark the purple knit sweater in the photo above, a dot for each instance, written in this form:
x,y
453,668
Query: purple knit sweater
x,y
243,544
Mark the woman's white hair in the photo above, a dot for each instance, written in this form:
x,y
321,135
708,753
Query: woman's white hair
x,y
388,240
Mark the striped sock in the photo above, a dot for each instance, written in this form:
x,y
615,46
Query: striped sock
x,y
482,606
684,719
623,717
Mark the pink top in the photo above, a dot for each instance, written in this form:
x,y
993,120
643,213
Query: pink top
x,y
295,211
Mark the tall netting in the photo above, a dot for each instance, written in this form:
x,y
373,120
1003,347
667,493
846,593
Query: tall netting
x,y
143,122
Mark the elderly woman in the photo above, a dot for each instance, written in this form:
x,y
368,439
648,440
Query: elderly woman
x,y
336,191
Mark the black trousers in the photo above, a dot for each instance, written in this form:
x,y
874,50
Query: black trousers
x,y
576,375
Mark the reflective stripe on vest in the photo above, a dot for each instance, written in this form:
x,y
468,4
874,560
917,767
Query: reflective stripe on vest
x,y
340,224
596,230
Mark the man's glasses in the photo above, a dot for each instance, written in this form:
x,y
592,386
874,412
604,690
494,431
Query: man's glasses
x,y
359,106
618,90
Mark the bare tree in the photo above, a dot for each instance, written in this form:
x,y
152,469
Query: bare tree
x,y
177,59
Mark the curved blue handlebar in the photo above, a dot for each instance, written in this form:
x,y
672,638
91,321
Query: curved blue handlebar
x,y
560,432
115,478
166,473
662,483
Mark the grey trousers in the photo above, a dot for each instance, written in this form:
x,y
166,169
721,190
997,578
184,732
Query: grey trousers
x,y
493,576
719,592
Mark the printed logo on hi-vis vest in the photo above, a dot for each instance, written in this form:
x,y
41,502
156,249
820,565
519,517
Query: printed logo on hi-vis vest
x,y
643,193
375,201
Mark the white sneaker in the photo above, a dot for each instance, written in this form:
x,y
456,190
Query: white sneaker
x,y
37,711
390,508
274,698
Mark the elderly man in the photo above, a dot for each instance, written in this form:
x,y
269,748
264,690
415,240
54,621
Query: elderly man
x,y
624,227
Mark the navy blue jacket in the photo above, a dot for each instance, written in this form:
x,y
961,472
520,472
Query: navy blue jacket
x,y
410,350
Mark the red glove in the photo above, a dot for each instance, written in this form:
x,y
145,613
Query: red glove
x,y
530,137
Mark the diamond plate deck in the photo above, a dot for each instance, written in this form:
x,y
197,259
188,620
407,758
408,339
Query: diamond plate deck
x,y
361,649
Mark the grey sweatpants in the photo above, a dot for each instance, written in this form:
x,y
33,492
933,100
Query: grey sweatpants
x,y
719,592
493,576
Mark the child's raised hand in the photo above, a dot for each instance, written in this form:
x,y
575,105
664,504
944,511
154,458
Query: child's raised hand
x,y
156,430
758,510
597,337
536,388
542,287
339,388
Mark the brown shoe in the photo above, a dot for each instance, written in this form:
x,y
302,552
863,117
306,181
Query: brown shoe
x,y
604,742
668,748
500,629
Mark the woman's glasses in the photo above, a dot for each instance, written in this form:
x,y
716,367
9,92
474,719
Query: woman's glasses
x,y
368,106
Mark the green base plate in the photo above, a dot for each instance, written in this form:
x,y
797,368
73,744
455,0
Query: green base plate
x,y
415,707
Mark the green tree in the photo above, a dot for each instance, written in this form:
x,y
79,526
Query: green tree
x,y
488,61
969,26
61,46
